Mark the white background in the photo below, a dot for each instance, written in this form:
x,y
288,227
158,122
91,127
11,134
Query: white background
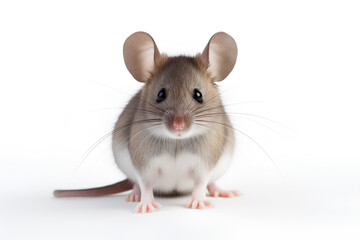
x,y
63,83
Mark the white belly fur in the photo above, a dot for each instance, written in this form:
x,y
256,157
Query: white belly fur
x,y
169,173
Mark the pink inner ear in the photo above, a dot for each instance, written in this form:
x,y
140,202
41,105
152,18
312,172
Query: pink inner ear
x,y
140,54
220,55
145,61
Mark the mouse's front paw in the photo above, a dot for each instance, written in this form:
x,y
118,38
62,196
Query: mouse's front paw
x,y
198,203
147,207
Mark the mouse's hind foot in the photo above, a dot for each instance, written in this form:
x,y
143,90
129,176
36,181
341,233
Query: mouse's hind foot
x,y
135,195
215,191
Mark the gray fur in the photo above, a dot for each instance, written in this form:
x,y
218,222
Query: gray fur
x,y
179,76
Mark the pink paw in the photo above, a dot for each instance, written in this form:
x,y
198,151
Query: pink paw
x,y
226,194
198,204
147,207
133,197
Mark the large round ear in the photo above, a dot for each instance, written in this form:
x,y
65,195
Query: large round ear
x,y
140,55
219,55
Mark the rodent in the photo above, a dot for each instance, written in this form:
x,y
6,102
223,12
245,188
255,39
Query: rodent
x,y
174,136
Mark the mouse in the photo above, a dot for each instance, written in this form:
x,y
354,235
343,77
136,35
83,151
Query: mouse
x,y
173,137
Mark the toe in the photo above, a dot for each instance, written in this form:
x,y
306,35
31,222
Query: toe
x,y
227,194
236,193
188,204
194,204
198,204
144,208
215,194
147,207
157,205
208,204
138,208
150,208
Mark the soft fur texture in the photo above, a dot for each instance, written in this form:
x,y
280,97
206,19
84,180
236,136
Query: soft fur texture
x,y
149,147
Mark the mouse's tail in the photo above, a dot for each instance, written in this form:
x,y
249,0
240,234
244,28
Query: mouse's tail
x,y
121,186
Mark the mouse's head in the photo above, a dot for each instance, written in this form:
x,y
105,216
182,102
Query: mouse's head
x,y
181,91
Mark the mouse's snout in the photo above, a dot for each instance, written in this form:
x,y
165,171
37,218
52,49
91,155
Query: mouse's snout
x,y
179,122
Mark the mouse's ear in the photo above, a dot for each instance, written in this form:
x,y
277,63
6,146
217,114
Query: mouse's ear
x,y
140,55
219,55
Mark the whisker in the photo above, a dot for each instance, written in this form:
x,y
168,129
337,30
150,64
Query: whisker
x,y
142,141
167,105
257,122
253,140
92,147
219,94
204,104
225,105
154,125
241,113
127,141
117,108
187,108
238,103
140,131
152,105
196,111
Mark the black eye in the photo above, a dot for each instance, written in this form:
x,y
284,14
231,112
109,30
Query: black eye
x,y
161,95
198,96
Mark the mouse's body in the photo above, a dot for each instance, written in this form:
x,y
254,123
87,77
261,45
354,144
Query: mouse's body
x,y
167,159
172,165
174,136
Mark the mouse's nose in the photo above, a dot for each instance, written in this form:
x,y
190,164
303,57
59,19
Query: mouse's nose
x,y
179,122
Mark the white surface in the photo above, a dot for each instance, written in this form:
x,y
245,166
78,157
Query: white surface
x,y
298,64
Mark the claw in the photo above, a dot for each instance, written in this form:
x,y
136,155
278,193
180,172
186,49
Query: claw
x,y
198,204
147,207
135,195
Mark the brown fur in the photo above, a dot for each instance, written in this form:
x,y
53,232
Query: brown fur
x,y
179,76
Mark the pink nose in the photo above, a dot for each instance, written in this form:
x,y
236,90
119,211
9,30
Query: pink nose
x,y
179,123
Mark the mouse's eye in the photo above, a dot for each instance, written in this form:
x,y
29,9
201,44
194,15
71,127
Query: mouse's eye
x,y
161,95
198,96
